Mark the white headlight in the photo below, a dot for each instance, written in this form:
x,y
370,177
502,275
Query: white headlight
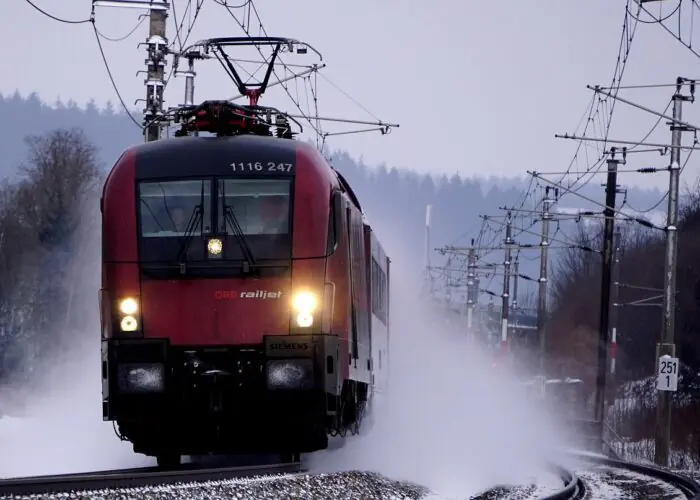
x,y
129,324
128,306
215,246
304,302
305,319
141,378
290,374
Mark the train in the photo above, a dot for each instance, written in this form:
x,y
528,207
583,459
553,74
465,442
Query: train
x,y
244,299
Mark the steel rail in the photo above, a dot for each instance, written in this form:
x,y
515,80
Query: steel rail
x,y
689,487
573,489
573,486
127,478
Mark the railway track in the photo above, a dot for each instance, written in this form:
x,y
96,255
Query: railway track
x,y
578,482
574,488
687,487
595,477
129,478
577,488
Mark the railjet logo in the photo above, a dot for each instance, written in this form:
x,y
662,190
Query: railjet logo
x,y
257,294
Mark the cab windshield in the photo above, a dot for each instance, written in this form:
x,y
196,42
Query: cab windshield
x,y
250,217
166,207
261,207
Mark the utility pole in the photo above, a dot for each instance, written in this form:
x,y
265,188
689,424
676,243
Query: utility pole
x,y
427,276
155,69
155,62
666,345
542,289
606,282
615,293
506,285
615,298
516,269
472,290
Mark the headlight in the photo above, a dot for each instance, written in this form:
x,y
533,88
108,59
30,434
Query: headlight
x,y
304,302
135,378
304,305
215,246
290,374
305,320
128,314
129,324
128,306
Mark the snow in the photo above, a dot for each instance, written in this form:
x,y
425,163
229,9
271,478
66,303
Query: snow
x,y
61,428
597,487
602,482
348,485
449,420
584,453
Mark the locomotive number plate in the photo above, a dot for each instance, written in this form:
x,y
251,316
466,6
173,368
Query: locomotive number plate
x,y
263,167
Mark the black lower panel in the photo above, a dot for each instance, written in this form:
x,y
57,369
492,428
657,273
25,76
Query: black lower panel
x,y
297,426
213,400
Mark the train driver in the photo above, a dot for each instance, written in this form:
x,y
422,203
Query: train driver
x,y
179,219
274,212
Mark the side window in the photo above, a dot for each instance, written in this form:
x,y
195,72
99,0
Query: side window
x,y
335,208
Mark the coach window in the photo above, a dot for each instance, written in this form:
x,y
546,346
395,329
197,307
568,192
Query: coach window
x,y
168,207
260,206
378,291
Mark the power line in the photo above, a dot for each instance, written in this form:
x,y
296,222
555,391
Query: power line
x,y
91,20
246,30
111,78
668,30
122,38
178,30
60,20
627,37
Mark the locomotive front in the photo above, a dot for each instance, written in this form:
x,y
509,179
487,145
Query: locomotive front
x,y
217,297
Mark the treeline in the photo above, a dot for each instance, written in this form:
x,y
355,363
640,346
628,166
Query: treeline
x,y
46,213
573,331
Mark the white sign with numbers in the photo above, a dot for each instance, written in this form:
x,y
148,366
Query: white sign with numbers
x,y
667,374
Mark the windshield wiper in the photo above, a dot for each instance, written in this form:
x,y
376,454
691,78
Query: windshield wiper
x,y
249,259
194,220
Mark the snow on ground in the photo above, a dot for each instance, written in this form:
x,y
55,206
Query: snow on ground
x,y
545,484
344,485
604,483
598,488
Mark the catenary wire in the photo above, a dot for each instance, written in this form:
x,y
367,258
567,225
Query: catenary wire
x,y
60,20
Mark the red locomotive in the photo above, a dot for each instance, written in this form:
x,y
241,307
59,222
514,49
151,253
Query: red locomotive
x,y
244,300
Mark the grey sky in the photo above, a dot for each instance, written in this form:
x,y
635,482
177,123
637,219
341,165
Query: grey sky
x,y
477,86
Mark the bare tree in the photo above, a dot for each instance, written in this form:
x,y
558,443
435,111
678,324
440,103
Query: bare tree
x,y
60,172
39,217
